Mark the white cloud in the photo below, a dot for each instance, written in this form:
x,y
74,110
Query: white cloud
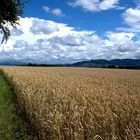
x,y
16,32
107,4
131,18
43,27
44,41
96,5
46,8
120,37
136,2
57,11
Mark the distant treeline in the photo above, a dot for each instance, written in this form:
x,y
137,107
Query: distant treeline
x,y
73,65
122,67
42,65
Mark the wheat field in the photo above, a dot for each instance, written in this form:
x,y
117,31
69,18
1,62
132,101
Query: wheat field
x,y
78,103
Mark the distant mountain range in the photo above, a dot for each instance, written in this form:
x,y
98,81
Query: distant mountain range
x,y
11,63
99,63
115,63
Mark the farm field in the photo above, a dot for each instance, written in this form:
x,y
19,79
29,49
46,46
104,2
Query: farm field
x,y
78,103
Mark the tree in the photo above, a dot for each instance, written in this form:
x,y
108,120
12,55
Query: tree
x,y
10,10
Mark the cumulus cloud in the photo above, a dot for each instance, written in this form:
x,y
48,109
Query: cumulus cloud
x,y
123,44
20,44
43,27
57,11
16,32
44,41
131,18
46,8
96,5
120,37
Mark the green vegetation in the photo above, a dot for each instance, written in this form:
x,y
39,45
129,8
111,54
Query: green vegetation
x,y
10,10
12,127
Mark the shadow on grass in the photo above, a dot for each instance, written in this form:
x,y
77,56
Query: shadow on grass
x,y
12,126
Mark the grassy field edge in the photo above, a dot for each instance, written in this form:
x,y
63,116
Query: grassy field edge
x,y
12,125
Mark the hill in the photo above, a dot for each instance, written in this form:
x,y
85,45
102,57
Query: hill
x,y
116,63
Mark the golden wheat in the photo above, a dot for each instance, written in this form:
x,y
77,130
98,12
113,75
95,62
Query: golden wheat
x,y
79,103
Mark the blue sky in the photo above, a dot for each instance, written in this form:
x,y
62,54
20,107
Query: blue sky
x,y
78,17
67,31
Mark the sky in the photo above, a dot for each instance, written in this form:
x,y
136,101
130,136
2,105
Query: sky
x,y
68,31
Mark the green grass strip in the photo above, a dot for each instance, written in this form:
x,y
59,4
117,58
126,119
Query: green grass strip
x,y
12,127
